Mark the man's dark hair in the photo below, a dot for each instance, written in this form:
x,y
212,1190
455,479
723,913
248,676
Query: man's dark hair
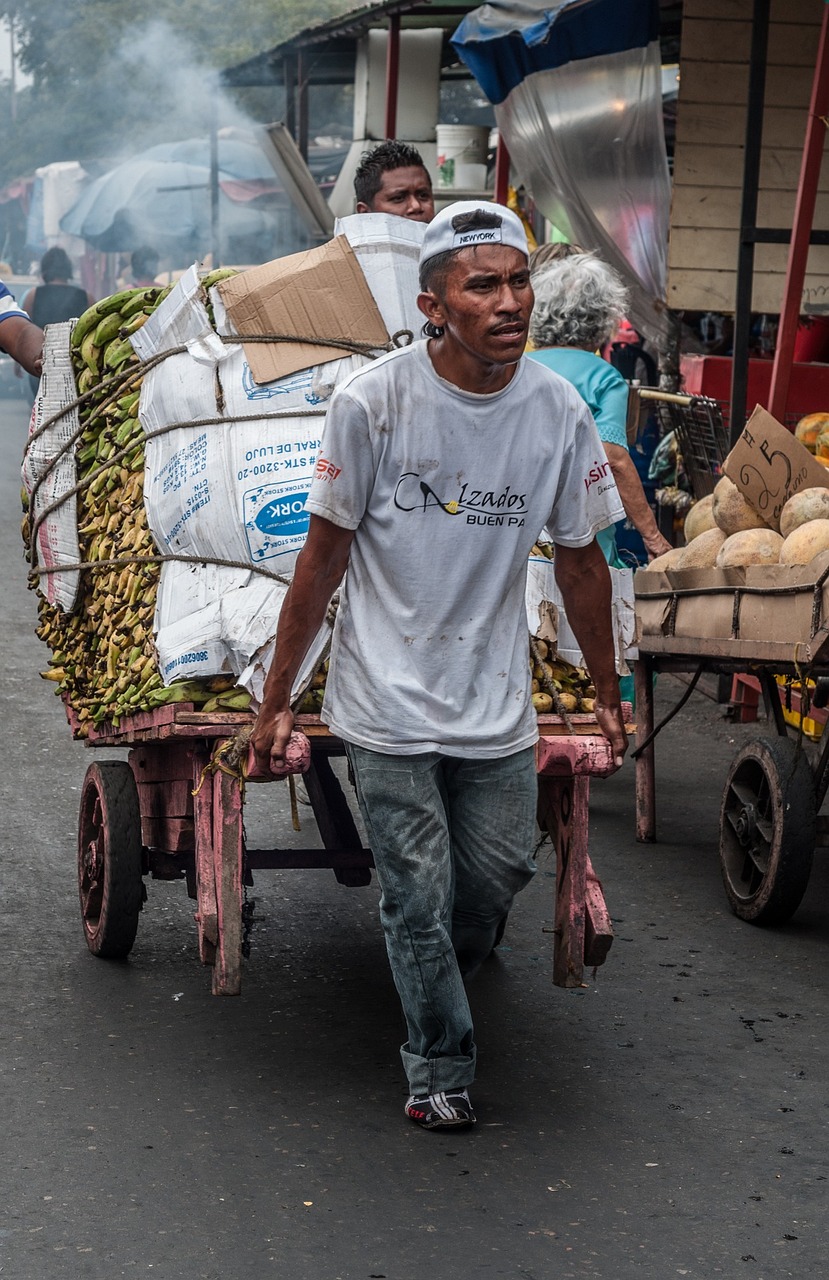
x,y
55,265
476,220
373,164
433,273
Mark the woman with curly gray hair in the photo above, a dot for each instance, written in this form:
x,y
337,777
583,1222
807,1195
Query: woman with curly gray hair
x,y
579,302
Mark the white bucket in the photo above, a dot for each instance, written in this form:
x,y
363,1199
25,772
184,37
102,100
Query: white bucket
x,y
459,146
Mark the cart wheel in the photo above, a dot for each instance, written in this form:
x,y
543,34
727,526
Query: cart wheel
x,y
109,859
767,830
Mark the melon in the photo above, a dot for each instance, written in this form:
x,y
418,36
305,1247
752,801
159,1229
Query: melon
x,y
809,428
702,552
749,546
699,518
667,560
732,513
805,542
822,443
809,504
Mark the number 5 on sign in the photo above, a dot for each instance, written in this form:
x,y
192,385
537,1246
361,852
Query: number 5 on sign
x,y
768,465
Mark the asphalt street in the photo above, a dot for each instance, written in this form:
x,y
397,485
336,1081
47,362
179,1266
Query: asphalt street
x,y
668,1119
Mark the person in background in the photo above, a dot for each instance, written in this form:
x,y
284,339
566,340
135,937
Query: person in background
x,y
392,178
625,350
19,337
144,267
579,302
439,464
56,299
554,251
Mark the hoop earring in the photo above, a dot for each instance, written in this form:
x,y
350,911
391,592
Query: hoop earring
x,y
430,330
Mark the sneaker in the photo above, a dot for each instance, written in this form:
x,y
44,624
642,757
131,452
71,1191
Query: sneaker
x,y
441,1110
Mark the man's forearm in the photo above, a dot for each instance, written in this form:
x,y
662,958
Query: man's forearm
x,y
584,582
319,570
299,621
23,341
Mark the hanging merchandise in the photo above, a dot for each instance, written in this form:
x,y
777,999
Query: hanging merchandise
x,y
577,91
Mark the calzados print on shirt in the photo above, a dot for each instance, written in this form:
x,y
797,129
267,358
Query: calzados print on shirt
x,y
477,506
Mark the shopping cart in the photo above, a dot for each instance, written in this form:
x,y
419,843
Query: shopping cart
x,y
701,434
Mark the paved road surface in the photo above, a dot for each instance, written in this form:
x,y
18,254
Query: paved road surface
x,y
667,1120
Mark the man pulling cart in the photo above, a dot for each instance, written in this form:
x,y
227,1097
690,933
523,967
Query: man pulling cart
x,y
439,465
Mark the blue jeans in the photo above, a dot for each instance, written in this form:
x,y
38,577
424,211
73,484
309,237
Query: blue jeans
x,y
452,841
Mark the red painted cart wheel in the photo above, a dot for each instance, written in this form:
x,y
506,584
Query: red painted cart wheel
x,y
767,830
109,859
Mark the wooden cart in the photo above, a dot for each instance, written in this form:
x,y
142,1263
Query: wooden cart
x,y
173,811
770,821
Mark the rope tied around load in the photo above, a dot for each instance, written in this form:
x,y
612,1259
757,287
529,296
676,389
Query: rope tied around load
x,y
125,378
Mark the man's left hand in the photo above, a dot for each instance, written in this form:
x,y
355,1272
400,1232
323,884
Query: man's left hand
x,y
609,718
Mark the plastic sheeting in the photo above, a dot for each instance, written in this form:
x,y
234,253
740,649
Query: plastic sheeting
x,y
577,91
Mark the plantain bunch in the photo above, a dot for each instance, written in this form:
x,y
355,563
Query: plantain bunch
x,y
103,657
311,703
575,689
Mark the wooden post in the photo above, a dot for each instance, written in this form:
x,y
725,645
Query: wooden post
x,y
302,105
289,75
645,764
563,810
206,916
501,171
392,74
227,862
748,213
804,212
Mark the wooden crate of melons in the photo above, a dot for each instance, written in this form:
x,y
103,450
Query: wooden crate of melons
x,y
751,580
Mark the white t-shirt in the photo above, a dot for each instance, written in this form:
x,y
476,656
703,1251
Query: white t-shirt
x,y
447,491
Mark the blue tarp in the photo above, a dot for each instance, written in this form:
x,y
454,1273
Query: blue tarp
x,y
502,43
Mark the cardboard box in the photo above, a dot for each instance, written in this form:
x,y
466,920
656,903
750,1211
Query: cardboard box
x,y
321,293
768,465
739,609
231,460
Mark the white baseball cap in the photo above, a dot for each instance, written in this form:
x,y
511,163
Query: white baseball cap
x,y
456,227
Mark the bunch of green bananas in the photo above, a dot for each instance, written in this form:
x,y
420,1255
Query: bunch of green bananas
x,y
575,689
103,658
311,703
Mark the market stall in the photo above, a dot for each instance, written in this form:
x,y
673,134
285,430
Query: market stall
x,y
749,593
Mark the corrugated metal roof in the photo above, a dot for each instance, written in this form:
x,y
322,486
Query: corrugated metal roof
x,y
330,46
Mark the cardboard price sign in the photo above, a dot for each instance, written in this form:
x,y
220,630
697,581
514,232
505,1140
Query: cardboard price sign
x,y
768,465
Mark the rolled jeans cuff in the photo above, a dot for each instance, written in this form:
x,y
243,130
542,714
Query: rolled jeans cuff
x,y
445,1074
